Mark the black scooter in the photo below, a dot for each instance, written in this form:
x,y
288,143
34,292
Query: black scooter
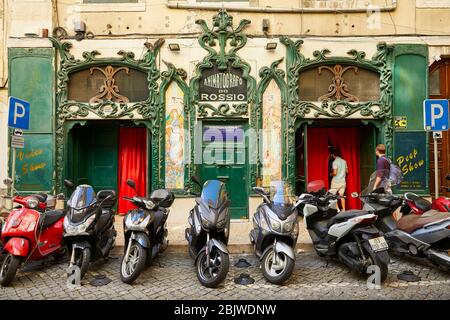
x,y
145,231
208,233
275,232
89,225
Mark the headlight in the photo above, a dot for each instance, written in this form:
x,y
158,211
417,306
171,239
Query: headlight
x,y
264,224
288,226
137,220
69,228
295,232
32,203
276,226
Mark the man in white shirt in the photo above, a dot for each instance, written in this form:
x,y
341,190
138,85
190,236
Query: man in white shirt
x,y
340,171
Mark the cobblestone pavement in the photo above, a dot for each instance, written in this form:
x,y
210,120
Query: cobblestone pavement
x,y
172,276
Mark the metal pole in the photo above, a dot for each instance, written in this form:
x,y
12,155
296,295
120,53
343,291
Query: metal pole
x,y
13,170
436,169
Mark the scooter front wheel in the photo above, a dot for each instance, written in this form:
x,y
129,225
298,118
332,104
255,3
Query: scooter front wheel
x,y
9,269
133,264
277,269
212,274
82,260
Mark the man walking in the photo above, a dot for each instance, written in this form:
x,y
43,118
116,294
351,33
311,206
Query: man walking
x,y
383,169
339,173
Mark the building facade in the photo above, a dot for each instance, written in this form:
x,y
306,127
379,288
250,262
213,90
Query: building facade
x,y
244,91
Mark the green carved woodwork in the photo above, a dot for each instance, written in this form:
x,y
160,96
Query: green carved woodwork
x,y
380,110
230,41
149,111
177,75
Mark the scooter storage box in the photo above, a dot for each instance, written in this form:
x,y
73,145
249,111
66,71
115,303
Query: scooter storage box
x,y
109,203
162,198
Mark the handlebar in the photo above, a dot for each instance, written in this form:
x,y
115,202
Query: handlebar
x,y
128,198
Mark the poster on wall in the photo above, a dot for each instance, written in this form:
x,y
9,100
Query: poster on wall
x,y
222,85
410,154
34,164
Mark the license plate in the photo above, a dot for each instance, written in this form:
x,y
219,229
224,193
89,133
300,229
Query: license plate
x,y
378,244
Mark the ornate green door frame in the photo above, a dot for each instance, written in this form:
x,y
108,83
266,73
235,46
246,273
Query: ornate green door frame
x,y
147,112
230,40
296,62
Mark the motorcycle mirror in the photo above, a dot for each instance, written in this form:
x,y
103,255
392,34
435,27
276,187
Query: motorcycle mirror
x,y
196,180
131,183
8,182
354,194
259,190
68,184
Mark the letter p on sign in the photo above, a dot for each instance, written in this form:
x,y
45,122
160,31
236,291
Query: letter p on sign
x,y
436,115
19,114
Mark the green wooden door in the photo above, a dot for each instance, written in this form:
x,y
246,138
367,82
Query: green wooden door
x,y
94,157
367,153
225,158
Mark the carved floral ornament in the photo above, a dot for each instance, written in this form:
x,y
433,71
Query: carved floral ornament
x,y
338,90
109,91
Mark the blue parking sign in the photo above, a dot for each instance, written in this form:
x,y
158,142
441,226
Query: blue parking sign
x,y
435,115
19,114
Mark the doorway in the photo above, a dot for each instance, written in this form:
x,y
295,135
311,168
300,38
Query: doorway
x,y
439,88
104,154
225,158
354,141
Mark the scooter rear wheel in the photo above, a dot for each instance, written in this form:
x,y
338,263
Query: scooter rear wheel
x,y
133,265
9,269
277,274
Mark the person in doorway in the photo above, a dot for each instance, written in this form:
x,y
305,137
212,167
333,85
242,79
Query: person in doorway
x,y
339,175
383,169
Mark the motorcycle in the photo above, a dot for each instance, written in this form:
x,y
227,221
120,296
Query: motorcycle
x,y
419,205
32,231
275,232
145,231
89,225
425,236
348,235
208,232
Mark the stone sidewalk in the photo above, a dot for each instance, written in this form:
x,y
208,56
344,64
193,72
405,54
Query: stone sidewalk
x,y
172,276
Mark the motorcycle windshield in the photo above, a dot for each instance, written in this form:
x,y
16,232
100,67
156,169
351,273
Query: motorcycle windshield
x,y
384,185
82,197
280,194
214,193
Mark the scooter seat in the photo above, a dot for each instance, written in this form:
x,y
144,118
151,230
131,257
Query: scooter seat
x,y
49,218
421,203
412,222
343,216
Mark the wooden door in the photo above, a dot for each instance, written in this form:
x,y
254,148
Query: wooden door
x,y
439,88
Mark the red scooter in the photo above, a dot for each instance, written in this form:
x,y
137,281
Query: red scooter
x,y
31,232
418,205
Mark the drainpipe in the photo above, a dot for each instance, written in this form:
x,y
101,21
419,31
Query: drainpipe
x,y
237,8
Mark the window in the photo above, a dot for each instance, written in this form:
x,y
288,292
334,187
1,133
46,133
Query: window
x,y
113,83
339,82
110,1
435,82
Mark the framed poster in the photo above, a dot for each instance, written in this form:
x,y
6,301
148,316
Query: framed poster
x,y
411,155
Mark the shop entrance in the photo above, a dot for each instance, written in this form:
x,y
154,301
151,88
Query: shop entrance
x,y
225,158
104,154
356,143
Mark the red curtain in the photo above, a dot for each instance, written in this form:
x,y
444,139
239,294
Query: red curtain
x,y
317,164
132,165
347,141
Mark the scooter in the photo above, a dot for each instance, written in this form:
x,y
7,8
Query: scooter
x,y
31,232
349,235
208,232
89,225
145,231
275,232
419,205
425,236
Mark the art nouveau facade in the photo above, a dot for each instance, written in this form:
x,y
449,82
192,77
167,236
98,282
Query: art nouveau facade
x,y
183,84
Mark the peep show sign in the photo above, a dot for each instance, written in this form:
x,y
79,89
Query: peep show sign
x,y
222,85
410,154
